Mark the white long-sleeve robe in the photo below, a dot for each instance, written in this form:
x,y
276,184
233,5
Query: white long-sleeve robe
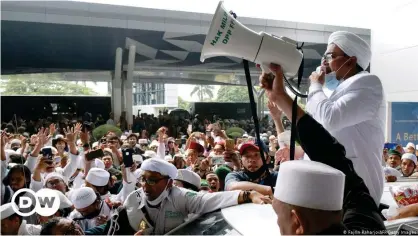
x,y
355,115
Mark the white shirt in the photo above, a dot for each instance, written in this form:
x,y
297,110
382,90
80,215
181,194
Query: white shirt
x,y
29,229
355,115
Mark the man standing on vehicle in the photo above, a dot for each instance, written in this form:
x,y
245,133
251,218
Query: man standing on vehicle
x,y
159,207
325,195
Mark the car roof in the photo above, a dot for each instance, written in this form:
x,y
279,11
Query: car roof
x,y
252,219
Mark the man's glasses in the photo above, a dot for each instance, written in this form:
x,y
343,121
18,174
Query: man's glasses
x,y
330,56
150,181
53,183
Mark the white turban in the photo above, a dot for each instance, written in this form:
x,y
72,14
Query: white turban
x,y
160,166
352,45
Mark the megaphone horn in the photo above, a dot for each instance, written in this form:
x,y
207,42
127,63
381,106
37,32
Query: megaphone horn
x,y
228,37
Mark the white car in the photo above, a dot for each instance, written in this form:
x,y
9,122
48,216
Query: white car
x,y
253,219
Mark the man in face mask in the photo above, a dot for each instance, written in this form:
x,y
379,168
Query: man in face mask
x,y
90,211
159,206
254,175
356,107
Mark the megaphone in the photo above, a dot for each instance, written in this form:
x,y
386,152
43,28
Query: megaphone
x,y
228,37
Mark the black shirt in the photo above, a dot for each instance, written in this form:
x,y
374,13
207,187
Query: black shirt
x,y
361,215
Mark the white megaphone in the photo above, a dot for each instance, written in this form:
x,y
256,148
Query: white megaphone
x,y
228,37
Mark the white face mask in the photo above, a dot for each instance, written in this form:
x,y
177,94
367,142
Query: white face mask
x,y
160,198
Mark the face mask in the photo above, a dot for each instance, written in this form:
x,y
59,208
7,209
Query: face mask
x,y
160,198
331,81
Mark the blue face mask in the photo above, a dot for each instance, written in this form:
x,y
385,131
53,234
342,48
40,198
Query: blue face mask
x,y
331,81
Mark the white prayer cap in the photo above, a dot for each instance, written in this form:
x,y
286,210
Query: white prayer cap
x,y
143,141
11,164
123,137
83,197
352,45
79,142
150,154
311,185
54,175
95,144
160,166
98,177
59,136
15,141
410,156
168,158
154,143
410,145
7,210
188,177
99,163
389,171
245,135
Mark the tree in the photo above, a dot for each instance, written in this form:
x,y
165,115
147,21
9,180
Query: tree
x,y
233,94
202,90
183,104
42,85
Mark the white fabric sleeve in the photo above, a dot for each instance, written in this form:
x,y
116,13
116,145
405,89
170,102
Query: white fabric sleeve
x,y
125,191
31,163
200,203
360,102
36,185
71,166
161,151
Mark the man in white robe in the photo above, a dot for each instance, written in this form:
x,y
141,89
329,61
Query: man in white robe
x,y
354,113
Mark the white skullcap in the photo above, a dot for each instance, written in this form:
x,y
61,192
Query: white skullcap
x,y
98,177
410,156
59,136
79,142
160,166
123,137
15,141
99,163
143,141
352,45
168,158
55,175
6,210
311,185
95,144
150,154
83,197
188,177
154,143
245,135
410,145
389,171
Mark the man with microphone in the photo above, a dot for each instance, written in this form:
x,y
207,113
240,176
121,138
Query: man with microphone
x,y
354,112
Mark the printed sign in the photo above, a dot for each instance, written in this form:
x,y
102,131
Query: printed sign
x,y
404,122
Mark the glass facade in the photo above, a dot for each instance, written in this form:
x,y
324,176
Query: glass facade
x,y
148,93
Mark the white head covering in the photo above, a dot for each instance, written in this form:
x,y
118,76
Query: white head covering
x,y
150,154
410,156
59,136
54,175
410,145
6,210
160,166
352,45
15,141
168,158
311,185
389,171
95,144
98,177
189,177
154,143
99,163
142,141
83,197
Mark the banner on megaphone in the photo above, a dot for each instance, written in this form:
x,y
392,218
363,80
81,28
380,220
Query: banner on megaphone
x,y
228,37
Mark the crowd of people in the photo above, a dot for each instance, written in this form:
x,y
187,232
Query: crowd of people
x,y
147,181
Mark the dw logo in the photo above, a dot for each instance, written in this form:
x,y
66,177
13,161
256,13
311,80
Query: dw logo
x,y
47,202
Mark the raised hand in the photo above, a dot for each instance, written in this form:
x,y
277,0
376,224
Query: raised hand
x,y
42,136
70,134
52,128
275,112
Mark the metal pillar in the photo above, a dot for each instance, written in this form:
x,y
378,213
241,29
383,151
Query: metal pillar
x,y
128,83
117,86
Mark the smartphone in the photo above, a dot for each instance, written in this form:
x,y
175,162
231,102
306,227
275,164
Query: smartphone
x,y
127,154
94,154
47,152
229,144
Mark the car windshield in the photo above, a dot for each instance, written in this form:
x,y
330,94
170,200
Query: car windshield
x,y
208,224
